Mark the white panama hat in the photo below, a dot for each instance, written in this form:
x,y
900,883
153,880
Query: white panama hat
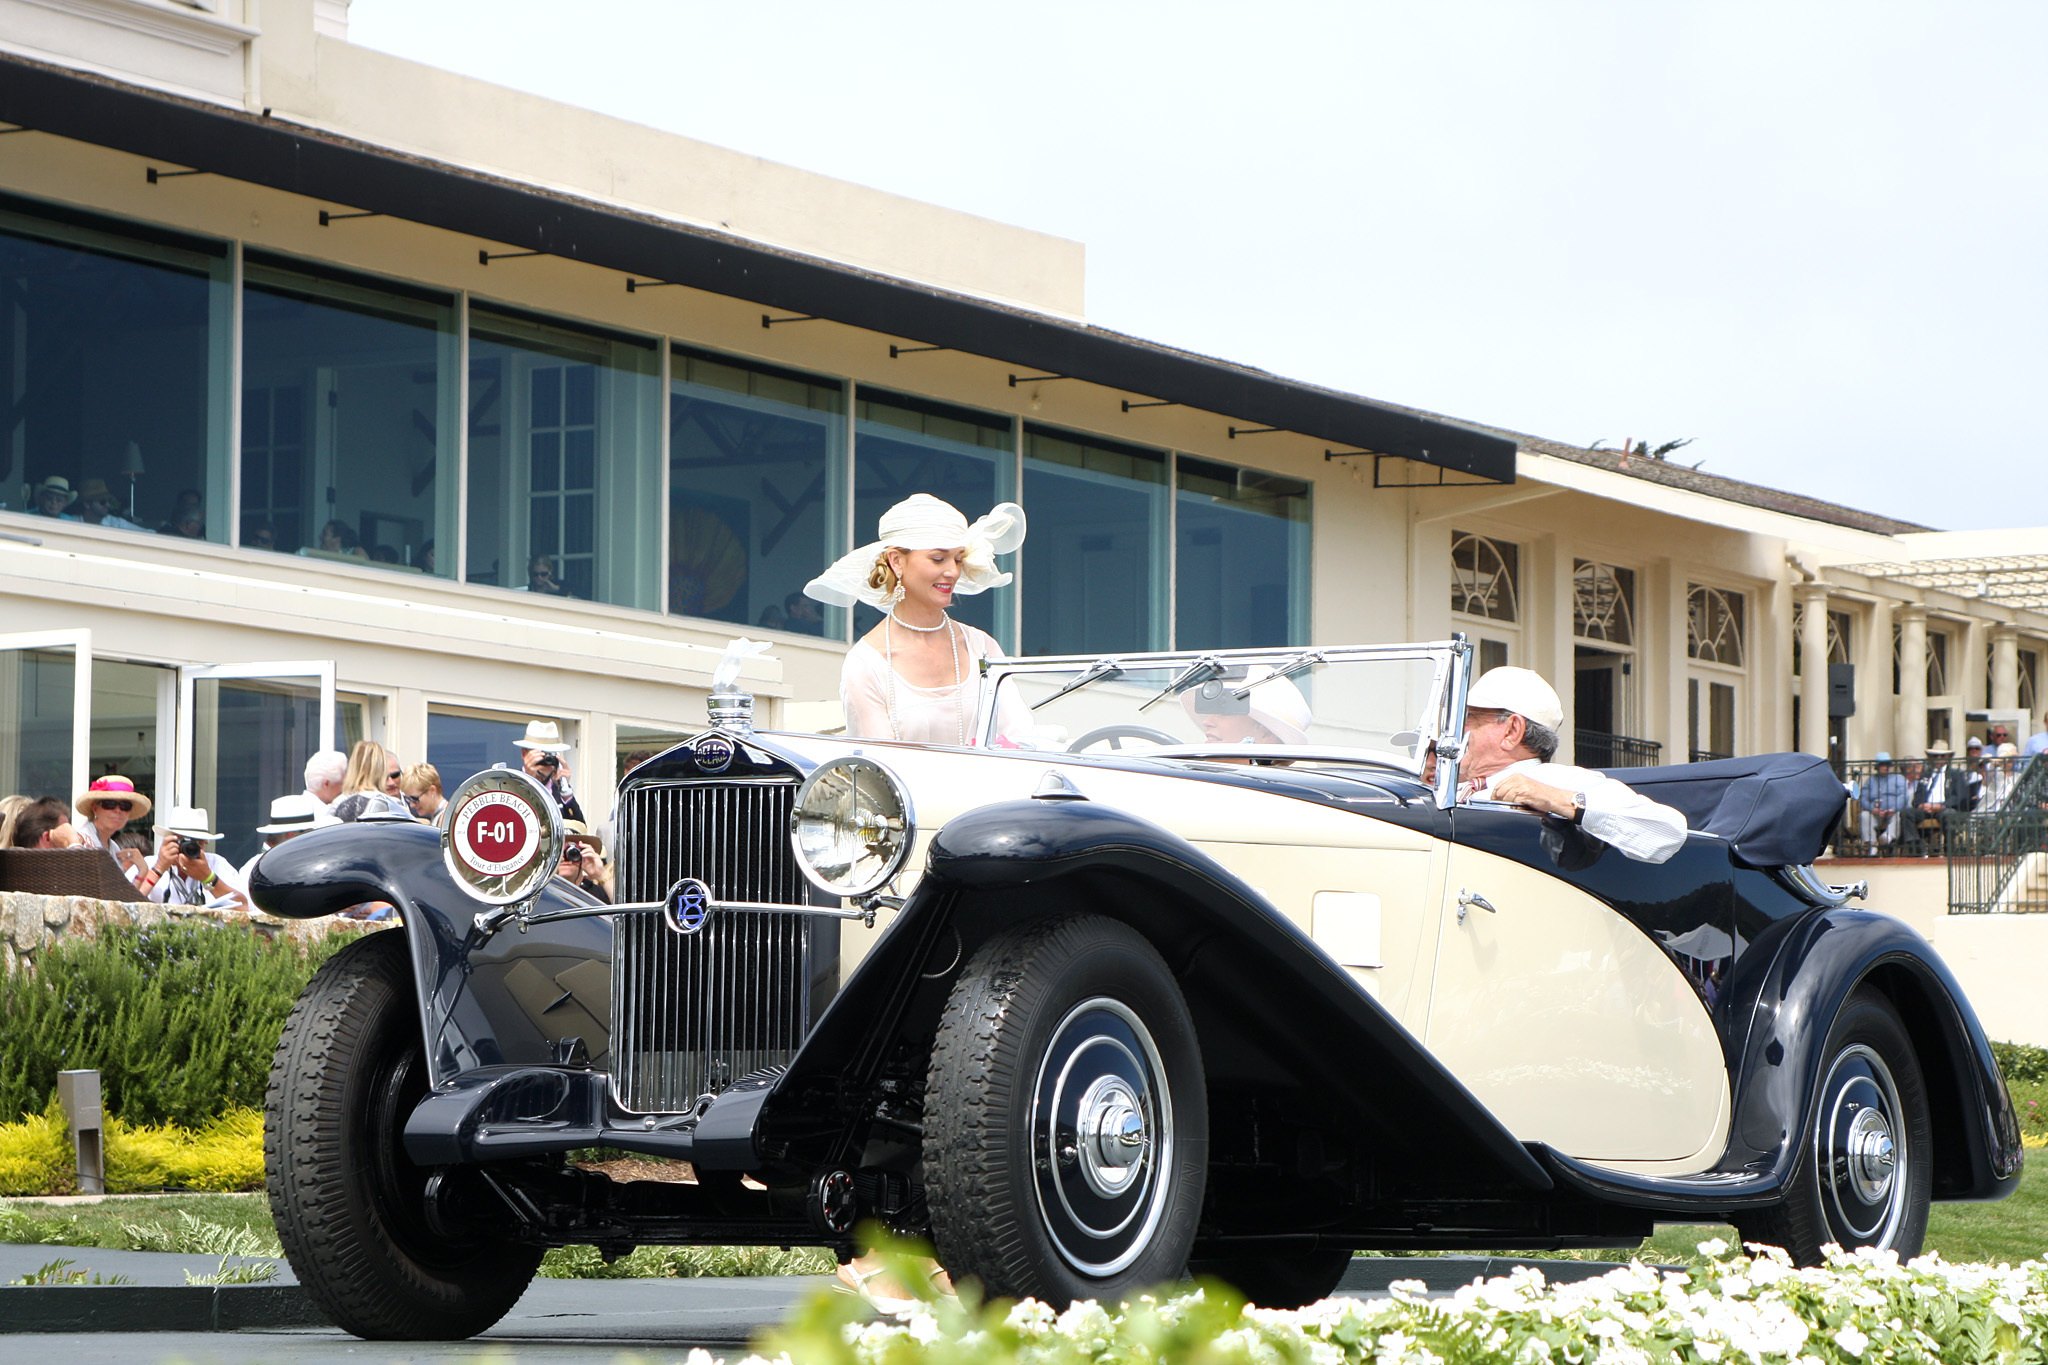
x,y
545,736
1520,690
923,522
189,821
290,814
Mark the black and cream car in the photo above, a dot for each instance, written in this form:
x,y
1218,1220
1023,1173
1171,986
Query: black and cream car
x,y
1111,1002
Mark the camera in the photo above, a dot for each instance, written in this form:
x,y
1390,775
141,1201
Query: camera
x,y
550,762
190,848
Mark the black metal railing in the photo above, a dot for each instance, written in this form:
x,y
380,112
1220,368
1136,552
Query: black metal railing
x,y
1598,749
1706,756
1998,852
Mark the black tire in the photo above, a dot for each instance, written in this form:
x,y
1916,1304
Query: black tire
x,y
1066,1040
350,1206
1281,1279
1866,1167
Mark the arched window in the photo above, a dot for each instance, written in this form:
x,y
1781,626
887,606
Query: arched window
x,y
1485,577
1603,603
1713,625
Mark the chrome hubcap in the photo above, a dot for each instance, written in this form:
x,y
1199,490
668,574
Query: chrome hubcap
x,y
1862,1168
1113,1138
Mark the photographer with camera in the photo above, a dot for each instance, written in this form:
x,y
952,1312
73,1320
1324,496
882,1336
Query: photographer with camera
x,y
186,871
545,758
583,865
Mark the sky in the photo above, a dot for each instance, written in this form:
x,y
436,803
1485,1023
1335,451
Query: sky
x,y
1809,237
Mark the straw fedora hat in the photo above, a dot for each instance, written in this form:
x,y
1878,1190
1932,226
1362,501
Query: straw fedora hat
x,y
545,736
113,787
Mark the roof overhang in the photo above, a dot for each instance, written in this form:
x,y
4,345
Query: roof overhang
x,y
332,169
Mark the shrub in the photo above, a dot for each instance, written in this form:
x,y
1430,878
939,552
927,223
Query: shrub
x,y
226,1154
179,1019
2022,1061
35,1155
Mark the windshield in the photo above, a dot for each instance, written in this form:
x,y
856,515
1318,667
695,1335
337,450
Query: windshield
x,y
1383,703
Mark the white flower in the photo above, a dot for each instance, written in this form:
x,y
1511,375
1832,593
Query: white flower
x,y
1712,1248
1851,1340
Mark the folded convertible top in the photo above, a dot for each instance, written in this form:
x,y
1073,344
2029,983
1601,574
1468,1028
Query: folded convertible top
x,y
1776,809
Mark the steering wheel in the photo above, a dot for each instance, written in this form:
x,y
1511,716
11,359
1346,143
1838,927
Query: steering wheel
x,y
1115,733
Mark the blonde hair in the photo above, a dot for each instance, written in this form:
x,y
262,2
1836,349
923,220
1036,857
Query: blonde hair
x,y
368,762
418,778
10,808
882,577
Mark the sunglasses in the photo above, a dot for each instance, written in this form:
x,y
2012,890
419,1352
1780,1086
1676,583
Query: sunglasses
x,y
393,775
122,806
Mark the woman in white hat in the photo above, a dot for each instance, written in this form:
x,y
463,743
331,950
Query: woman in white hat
x,y
108,805
917,675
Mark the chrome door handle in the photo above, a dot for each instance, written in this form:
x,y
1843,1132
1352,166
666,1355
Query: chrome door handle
x,y
1468,899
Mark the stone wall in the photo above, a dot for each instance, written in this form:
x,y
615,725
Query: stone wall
x,y
30,923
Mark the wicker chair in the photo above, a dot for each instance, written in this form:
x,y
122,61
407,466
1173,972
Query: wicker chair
x,y
65,872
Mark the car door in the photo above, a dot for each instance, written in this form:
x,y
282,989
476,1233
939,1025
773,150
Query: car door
x,y
1559,1003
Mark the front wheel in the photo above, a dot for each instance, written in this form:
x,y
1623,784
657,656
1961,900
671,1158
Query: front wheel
x,y
350,1205
1865,1174
1066,1124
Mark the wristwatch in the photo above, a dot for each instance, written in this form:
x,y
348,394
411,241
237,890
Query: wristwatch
x,y
1578,808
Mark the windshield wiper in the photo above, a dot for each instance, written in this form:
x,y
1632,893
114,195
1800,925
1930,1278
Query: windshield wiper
x,y
1295,665
1097,672
1200,671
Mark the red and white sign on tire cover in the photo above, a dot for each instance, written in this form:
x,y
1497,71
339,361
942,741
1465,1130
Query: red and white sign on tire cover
x,y
496,832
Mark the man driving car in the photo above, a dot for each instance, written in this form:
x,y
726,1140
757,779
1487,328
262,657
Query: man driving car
x,y
1512,717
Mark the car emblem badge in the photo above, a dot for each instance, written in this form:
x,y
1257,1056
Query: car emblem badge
x,y
688,906
713,753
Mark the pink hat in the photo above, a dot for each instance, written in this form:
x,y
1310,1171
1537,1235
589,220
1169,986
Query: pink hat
x,y
113,788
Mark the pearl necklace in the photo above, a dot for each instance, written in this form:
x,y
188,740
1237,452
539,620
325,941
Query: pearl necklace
x,y
959,675
922,630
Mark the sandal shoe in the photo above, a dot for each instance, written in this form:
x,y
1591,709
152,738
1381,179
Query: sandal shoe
x,y
862,1283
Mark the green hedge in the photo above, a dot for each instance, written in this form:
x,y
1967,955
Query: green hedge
x,y
2022,1061
179,1019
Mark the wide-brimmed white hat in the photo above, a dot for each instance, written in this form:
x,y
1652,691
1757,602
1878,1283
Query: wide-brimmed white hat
x,y
56,483
290,814
189,821
923,522
1275,703
545,736
1520,690
112,787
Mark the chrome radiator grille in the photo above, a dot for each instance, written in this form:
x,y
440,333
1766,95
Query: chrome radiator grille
x,y
695,1013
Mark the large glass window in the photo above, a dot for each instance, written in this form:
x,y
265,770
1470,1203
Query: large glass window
x,y
1485,577
1241,570
1093,576
461,746
756,492
904,445
564,460
113,373
348,418
37,705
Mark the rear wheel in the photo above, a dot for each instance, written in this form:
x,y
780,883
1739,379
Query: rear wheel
x,y
350,1205
1865,1174
1280,1279
1066,1125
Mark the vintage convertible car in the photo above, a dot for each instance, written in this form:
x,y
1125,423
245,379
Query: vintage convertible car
x,y
1109,997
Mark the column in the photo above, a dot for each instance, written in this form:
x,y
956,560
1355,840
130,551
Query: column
x,y
1547,626
2005,668
1912,723
1813,667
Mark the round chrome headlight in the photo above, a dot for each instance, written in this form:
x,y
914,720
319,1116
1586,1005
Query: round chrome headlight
x,y
852,826
503,839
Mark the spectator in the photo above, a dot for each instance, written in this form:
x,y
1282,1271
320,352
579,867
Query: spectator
x,y
259,535
542,576
2038,741
421,787
186,871
10,808
427,557
384,554
1882,796
52,496
44,824
1998,735
801,614
336,538
583,865
188,516
772,618
131,851
96,504
544,757
325,773
108,805
1973,771
1941,790
372,771
2005,771
290,816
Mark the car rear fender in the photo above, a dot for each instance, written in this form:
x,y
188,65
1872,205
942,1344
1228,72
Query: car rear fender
x,y
1269,1005
502,999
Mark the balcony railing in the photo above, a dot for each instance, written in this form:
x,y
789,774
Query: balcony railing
x,y
1998,852
1987,829
1598,749
1707,756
